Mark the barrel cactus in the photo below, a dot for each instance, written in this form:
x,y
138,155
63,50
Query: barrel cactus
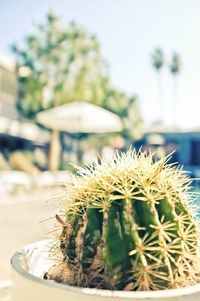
x,y
128,224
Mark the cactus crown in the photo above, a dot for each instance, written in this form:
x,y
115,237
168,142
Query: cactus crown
x,y
129,225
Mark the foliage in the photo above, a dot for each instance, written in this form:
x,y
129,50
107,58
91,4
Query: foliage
x,y
158,63
59,65
128,225
158,58
175,68
128,109
175,64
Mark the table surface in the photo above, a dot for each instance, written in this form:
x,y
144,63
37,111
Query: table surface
x,y
5,291
23,221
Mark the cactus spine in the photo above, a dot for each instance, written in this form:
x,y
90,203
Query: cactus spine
x,y
129,226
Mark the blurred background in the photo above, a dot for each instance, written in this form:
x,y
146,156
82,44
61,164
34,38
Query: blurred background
x,y
81,79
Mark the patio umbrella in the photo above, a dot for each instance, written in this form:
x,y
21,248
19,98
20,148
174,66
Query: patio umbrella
x,y
76,117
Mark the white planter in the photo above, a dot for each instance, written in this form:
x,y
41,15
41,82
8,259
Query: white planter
x,y
29,264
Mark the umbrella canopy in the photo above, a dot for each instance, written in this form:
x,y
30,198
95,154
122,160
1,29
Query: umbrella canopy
x,y
80,117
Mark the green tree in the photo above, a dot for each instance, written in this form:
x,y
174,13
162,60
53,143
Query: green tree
x,y
175,68
128,109
158,62
57,66
60,65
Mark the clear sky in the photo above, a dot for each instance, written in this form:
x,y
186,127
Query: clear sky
x,y
128,31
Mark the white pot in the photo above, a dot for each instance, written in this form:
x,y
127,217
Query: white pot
x,y
30,263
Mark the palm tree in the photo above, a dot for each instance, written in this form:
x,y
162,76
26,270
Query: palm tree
x,y
158,62
175,67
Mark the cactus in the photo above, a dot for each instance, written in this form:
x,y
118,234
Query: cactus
x,y
129,225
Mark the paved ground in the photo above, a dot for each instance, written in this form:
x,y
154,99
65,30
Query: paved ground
x,y
20,224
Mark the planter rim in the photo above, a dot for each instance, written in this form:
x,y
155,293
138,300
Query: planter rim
x,y
15,263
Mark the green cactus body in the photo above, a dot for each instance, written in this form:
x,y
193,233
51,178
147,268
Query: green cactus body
x,y
136,230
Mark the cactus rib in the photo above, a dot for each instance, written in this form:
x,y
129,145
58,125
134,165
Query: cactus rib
x,y
129,225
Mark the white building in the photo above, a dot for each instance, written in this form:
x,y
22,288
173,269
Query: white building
x,y
10,123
